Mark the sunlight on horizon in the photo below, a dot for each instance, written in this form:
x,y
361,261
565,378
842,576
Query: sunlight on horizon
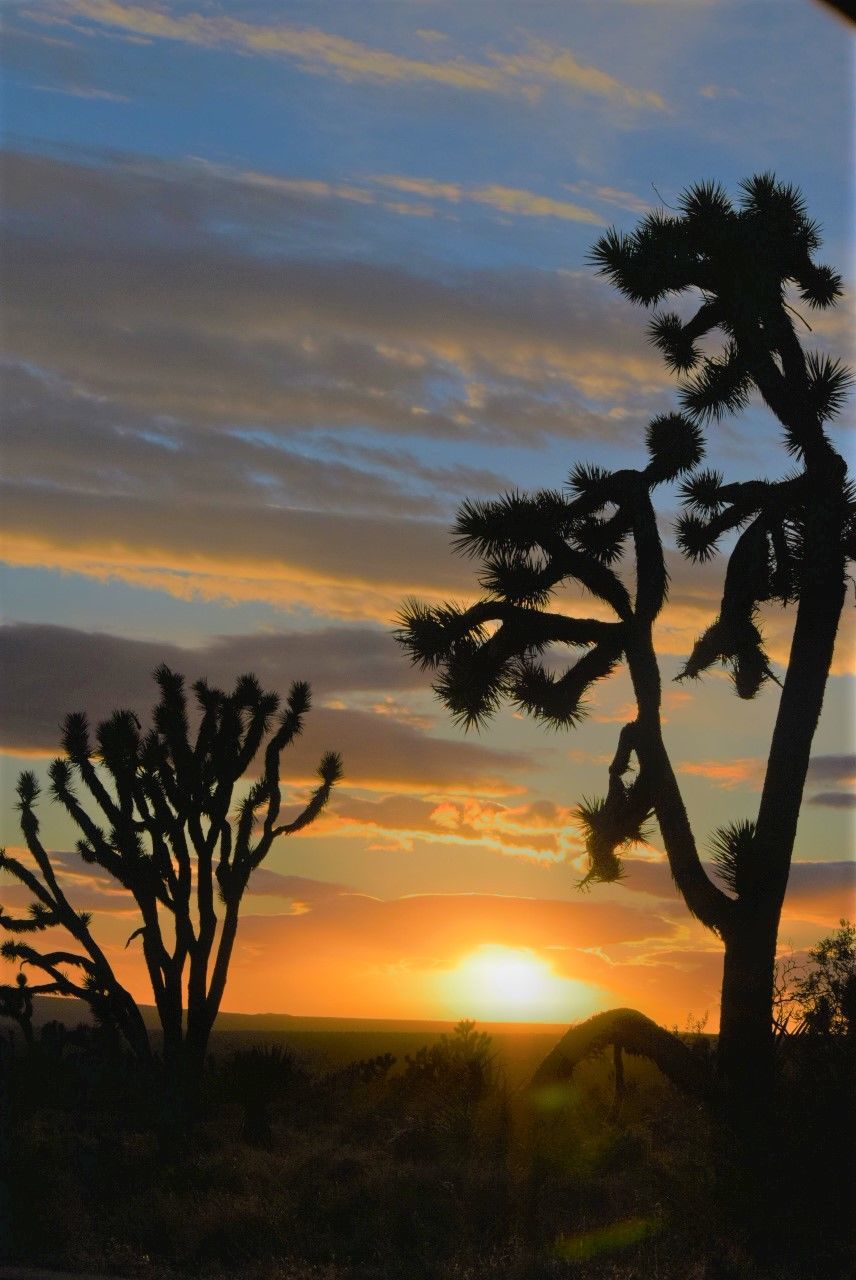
x,y
514,984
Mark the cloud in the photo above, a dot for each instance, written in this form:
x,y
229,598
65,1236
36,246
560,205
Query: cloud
x,y
822,892
750,773
551,63
373,191
610,195
82,91
320,52
539,830
334,951
818,891
727,773
337,952
346,566
508,200
840,768
185,415
361,955
833,799
143,302
301,890
713,91
52,670
49,670
180,409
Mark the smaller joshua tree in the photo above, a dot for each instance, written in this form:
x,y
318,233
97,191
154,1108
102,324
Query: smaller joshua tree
x,y
166,832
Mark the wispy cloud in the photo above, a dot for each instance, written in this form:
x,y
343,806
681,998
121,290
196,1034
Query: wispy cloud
x,y
610,195
82,91
427,191
525,73
833,799
727,773
544,62
713,91
507,200
380,753
841,768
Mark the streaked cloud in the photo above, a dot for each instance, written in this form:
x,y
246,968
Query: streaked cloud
x,y
523,74
223,336
727,773
840,768
711,91
822,891
83,91
833,799
379,752
508,200
627,200
543,62
539,830
833,768
371,190
51,670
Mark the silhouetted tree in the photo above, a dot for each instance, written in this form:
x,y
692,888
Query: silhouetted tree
x,y
165,831
17,1003
792,539
822,998
628,1032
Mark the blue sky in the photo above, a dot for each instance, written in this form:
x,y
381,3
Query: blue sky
x,y
286,283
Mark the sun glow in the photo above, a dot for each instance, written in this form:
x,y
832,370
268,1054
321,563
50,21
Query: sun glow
x,y
514,984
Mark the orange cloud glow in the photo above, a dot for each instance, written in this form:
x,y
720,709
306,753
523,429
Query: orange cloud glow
x,y
727,773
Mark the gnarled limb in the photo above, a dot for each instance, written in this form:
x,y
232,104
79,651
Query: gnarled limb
x,y
629,1031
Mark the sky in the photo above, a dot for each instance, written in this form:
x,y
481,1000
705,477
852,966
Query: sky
x,y
284,284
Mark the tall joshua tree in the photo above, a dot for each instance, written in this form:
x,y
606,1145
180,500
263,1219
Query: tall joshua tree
x,y
792,538
170,838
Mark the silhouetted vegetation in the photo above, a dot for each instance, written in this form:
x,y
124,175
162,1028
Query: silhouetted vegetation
x,y
441,1162
791,539
169,838
822,996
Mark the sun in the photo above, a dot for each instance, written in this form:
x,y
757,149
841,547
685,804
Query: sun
x,y
514,984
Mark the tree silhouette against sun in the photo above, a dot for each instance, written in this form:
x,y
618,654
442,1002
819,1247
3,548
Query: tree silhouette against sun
x,y
792,536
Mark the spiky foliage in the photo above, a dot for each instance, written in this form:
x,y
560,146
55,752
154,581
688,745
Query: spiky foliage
x,y
610,825
508,647
633,1033
732,849
741,259
491,652
789,537
166,813
675,445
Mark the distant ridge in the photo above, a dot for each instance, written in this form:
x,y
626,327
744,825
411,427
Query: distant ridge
x,y
70,1012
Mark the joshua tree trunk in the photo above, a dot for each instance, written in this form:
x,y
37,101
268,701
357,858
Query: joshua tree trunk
x,y
745,1049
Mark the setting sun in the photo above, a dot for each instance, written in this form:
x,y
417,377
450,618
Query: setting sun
x,y
514,984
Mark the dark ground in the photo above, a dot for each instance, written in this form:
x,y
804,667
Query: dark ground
x,y
315,1157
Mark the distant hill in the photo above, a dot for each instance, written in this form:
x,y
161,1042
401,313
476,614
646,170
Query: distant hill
x,y
70,1012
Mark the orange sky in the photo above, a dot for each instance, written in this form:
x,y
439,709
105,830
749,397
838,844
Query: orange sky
x,y
279,297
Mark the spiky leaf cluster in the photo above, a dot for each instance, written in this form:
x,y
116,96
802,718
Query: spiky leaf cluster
x,y
490,653
741,259
732,848
734,638
675,445
611,824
